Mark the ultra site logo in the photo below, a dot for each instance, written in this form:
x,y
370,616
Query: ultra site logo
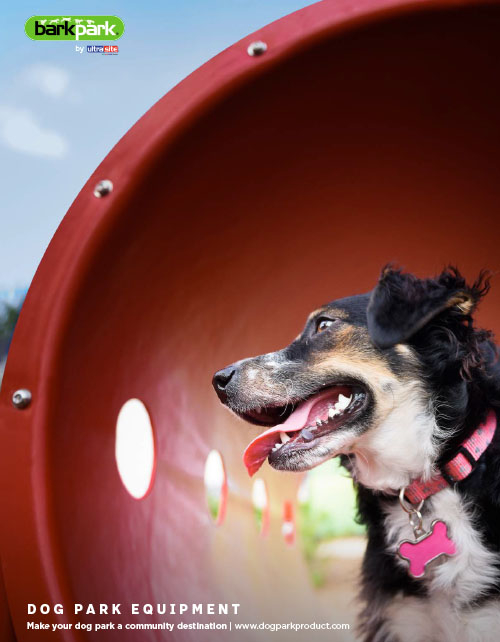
x,y
74,28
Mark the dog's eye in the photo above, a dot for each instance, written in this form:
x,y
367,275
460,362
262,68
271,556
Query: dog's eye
x,y
323,324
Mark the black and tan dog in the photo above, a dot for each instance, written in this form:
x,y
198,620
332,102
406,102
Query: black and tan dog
x,y
403,387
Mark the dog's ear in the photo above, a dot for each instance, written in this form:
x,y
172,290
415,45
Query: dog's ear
x,y
401,304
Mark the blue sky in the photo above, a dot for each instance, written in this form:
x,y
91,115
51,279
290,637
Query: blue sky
x,y
61,111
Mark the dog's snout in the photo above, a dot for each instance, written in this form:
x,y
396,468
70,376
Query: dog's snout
x,y
221,379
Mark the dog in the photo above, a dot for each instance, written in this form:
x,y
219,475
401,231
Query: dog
x,y
402,386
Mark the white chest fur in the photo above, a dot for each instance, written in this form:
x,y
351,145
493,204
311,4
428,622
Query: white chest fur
x,y
452,585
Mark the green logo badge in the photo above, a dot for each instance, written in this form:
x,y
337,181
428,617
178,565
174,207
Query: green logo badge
x,y
74,28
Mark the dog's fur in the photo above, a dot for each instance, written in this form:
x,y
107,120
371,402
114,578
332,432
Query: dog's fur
x,y
428,378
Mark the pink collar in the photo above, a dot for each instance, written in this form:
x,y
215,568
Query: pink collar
x,y
459,467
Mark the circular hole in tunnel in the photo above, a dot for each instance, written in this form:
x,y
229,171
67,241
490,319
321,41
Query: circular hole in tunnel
x,y
135,448
288,524
260,502
215,486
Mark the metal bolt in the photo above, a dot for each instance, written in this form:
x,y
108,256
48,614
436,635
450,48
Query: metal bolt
x,y
21,398
103,188
257,48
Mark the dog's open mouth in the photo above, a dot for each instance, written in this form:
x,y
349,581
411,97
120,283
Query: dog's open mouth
x,y
312,419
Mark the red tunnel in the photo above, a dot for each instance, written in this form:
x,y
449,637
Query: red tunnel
x,y
257,189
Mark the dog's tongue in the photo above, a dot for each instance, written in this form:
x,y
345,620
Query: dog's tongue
x,y
258,450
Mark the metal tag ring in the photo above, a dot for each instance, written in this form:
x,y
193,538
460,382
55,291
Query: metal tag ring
x,y
406,505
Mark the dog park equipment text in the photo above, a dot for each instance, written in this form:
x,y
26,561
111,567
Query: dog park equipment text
x,y
138,609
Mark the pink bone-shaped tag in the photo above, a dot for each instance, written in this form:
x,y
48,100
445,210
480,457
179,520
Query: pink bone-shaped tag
x,y
427,548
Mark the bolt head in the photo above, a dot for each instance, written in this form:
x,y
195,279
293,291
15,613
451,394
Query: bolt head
x,y
257,48
21,398
103,188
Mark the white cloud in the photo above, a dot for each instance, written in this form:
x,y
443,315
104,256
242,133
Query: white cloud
x,y
20,130
51,80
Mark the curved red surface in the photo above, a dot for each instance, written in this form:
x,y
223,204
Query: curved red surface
x,y
255,190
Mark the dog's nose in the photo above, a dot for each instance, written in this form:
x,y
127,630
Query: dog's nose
x,y
221,379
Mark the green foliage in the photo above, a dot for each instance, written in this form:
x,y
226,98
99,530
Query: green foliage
x,y
327,509
213,505
8,319
258,516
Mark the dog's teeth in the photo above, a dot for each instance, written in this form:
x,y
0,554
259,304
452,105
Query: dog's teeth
x,y
331,413
284,437
343,401
318,422
306,434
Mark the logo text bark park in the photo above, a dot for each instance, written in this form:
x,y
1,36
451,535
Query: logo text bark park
x,y
74,28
